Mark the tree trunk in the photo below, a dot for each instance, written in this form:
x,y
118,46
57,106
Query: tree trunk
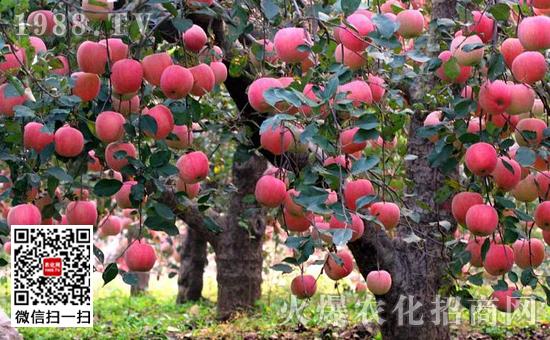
x,y
142,284
417,262
239,247
193,261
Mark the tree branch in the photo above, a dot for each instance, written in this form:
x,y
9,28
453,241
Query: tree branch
x,y
192,216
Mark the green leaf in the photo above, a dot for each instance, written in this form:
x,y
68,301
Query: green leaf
x,y
513,277
527,276
501,285
504,202
385,26
330,89
60,174
148,124
525,156
341,236
182,24
270,9
464,106
472,47
451,68
294,242
275,121
169,7
364,200
276,95
110,272
130,278
3,262
466,298
500,11
485,248
15,88
303,48
99,254
212,225
312,199
137,192
418,56
364,164
497,66
363,135
476,279
547,292
160,158
155,222
107,187
349,6
282,267
522,215
22,111
164,211
4,229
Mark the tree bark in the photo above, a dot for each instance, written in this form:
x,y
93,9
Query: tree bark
x,y
142,284
412,309
193,261
239,247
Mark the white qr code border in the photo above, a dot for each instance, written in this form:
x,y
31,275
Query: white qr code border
x,y
67,310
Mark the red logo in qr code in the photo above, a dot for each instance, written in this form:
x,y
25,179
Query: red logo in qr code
x,y
51,266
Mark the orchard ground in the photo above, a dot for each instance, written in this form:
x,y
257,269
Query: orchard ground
x,y
334,312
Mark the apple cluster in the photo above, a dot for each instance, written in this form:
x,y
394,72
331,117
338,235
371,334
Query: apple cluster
x,y
109,61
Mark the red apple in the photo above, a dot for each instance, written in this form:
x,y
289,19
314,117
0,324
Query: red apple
x,y
154,66
193,167
505,301
499,259
34,138
24,214
356,189
387,213
270,191
86,85
495,97
140,256
474,248
204,80
481,159
194,38
176,82
82,213
126,77
335,270
529,67
355,36
109,126
164,119
116,49
69,142
481,219
91,57
507,173
8,101
379,282
303,286
191,190
287,42
528,253
534,33
117,163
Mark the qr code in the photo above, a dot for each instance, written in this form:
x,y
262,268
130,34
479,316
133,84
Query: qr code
x,y
51,276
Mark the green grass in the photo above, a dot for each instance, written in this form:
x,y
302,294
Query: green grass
x,y
156,316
